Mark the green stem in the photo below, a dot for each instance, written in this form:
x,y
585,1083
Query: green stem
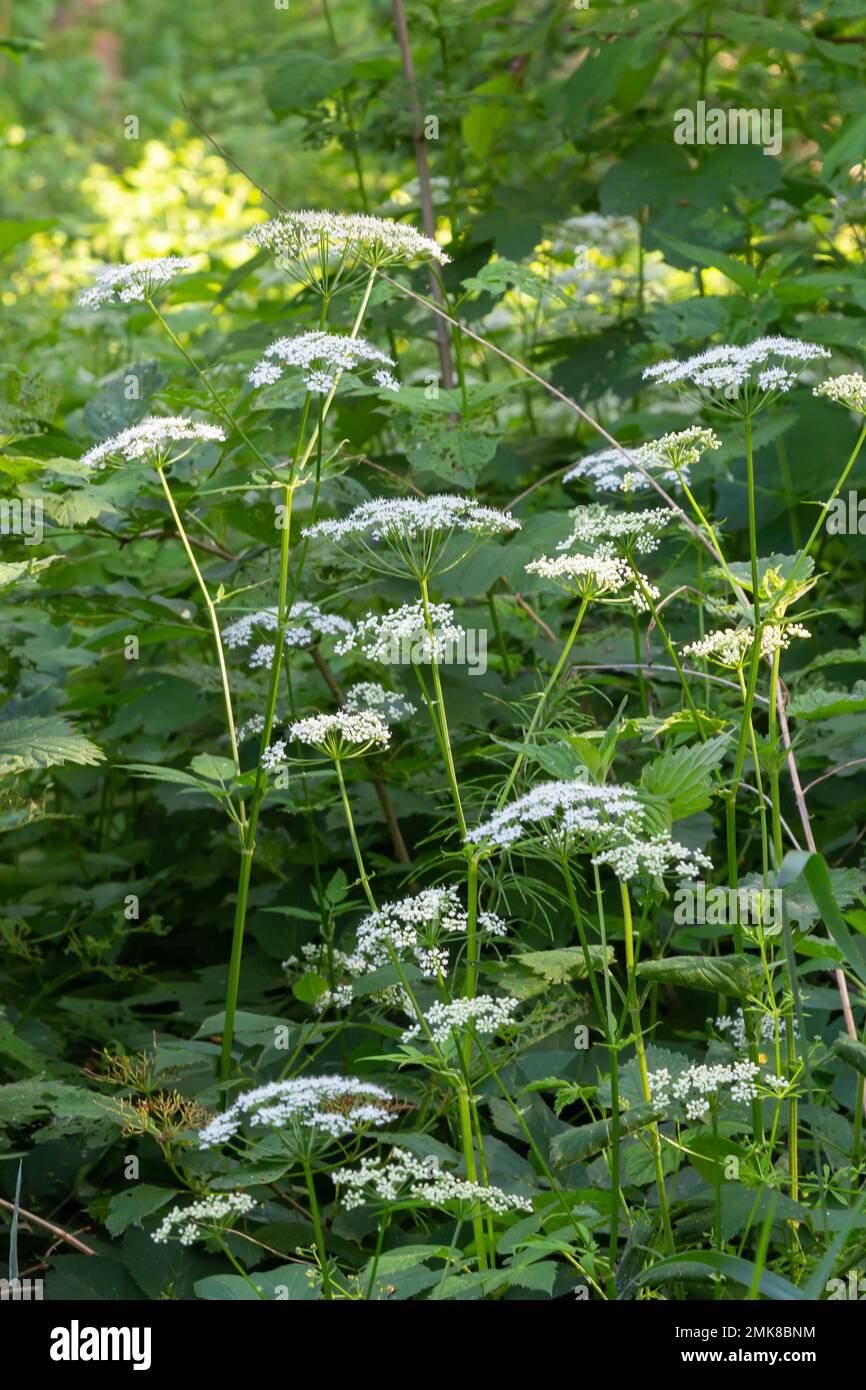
x,y
655,1138
539,709
317,1227
471,1173
442,717
356,848
214,395
214,622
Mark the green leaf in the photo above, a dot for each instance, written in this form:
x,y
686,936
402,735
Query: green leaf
x,y
37,741
298,79
288,1282
814,869
682,777
212,768
852,1052
693,1263
712,259
720,975
130,1208
565,962
583,1140
847,149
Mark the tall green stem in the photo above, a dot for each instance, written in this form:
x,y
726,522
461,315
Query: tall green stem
x,y
214,622
285,602
543,698
317,1227
634,1008
442,717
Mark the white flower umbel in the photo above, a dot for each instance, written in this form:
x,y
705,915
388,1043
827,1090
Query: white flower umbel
x,y
342,735
133,283
773,1030
739,380
627,532
562,813
608,470
849,390
369,696
322,358
420,536
400,636
600,577
154,441
654,857
483,1013
329,1107
403,1177
316,246
421,926
208,1217
731,647
703,1087
307,624
672,455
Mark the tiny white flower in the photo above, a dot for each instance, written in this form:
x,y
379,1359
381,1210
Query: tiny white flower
x,y
739,380
152,441
209,1216
133,283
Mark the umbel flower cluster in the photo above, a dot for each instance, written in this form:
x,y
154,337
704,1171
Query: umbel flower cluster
x,y
307,622
420,925
374,241
331,1107
205,1218
341,735
848,389
771,1029
739,380
562,812
702,1086
667,459
680,450
626,532
369,696
401,636
654,857
322,358
133,283
730,647
403,1177
413,535
483,1013
153,439
602,577
612,470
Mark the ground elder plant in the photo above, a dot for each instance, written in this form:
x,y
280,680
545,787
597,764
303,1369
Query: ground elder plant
x,y
432,744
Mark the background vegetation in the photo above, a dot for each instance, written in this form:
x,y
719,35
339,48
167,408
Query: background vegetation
x,y
586,244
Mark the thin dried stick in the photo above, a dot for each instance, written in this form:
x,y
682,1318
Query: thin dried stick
x,y
48,1226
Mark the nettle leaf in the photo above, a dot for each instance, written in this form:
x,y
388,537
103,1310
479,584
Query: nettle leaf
x,y
40,741
452,451
722,975
683,777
